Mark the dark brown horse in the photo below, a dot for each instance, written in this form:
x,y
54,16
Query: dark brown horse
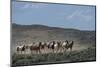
x,y
35,48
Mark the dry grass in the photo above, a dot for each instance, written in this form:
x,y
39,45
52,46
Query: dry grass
x,y
74,56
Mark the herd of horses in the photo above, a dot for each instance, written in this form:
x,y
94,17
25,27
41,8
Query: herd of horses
x,y
54,46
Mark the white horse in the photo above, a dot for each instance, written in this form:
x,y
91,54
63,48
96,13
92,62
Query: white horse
x,y
55,47
64,45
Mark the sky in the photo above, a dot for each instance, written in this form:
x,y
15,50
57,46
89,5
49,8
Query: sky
x,y
54,15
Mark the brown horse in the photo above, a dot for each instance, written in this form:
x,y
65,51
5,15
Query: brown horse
x,y
35,48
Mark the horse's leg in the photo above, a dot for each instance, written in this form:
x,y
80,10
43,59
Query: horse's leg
x,y
64,49
38,51
20,51
45,50
70,48
31,51
17,52
24,51
57,51
52,50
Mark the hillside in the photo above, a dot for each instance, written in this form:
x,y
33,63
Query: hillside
x,y
33,33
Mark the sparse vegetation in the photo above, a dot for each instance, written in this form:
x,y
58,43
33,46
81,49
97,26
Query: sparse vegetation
x,y
74,56
27,33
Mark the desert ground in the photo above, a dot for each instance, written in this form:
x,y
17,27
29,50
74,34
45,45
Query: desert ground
x,y
84,47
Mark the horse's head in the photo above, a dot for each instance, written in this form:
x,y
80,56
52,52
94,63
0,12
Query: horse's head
x,y
66,41
54,42
59,43
72,42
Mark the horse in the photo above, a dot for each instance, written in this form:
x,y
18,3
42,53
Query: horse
x,y
35,48
47,44
58,45
55,46
50,45
70,45
21,49
64,45
42,45
27,47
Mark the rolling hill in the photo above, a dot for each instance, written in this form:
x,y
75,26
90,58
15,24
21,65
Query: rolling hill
x,y
33,33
